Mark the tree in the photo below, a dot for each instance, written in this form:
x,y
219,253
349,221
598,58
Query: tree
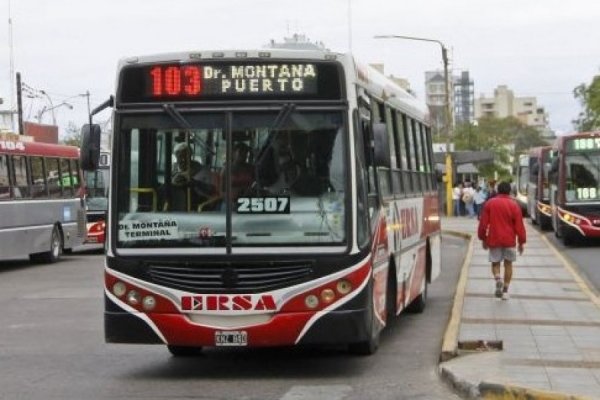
x,y
505,137
72,135
589,97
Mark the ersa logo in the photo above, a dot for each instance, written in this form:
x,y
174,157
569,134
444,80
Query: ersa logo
x,y
220,302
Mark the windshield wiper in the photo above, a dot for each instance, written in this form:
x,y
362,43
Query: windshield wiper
x,y
176,115
183,123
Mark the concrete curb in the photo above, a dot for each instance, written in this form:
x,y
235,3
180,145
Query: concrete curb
x,y
450,340
465,388
494,391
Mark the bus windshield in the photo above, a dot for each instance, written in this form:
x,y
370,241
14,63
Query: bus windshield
x,y
248,178
583,176
96,184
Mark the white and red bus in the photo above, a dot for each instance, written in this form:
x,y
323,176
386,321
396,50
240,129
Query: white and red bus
x,y
538,188
575,186
41,199
307,211
96,199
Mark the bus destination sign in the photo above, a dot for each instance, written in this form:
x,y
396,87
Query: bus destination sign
x,y
230,80
583,144
196,80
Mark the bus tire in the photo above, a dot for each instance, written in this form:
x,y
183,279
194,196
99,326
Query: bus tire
x,y
185,351
534,217
568,237
545,223
53,255
417,306
367,347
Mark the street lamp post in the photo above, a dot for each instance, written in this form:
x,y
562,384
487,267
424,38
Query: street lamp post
x,y
448,113
44,109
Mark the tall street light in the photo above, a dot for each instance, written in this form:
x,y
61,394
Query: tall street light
x,y
44,109
449,208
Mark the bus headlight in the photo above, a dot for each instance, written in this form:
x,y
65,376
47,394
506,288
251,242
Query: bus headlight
x,y
133,298
149,302
343,287
311,301
327,295
119,289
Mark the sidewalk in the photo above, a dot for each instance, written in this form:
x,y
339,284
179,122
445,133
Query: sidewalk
x,y
543,343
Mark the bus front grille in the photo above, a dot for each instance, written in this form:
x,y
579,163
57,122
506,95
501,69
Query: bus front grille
x,y
245,278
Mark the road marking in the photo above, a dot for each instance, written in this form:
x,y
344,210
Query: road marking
x,y
320,392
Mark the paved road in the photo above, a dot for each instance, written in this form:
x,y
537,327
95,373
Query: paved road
x,y
584,256
52,347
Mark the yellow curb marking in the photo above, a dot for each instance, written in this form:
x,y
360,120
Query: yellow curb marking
x,y
450,342
518,393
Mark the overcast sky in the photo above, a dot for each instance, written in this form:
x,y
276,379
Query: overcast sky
x,y
541,48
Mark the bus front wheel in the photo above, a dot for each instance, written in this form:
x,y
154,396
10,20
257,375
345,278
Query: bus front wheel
x,y
53,255
418,305
369,346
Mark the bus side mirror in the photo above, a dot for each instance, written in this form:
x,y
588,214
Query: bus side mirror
x,y
382,145
90,147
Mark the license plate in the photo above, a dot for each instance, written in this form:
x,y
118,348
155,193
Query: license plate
x,y
231,338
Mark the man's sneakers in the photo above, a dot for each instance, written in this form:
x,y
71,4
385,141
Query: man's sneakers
x,y
505,296
499,287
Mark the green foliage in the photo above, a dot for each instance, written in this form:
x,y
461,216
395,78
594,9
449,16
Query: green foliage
x,y
589,97
505,137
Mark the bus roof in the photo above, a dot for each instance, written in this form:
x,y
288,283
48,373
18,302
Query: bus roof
x,y
357,74
560,140
25,146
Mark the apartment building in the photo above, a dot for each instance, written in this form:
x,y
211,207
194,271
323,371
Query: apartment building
x,y
504,104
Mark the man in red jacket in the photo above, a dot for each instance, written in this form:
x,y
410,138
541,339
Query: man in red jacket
x,y
500,226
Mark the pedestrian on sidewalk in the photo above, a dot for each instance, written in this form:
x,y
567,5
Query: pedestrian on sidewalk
x,y
478,200
467,198
501,230
456,195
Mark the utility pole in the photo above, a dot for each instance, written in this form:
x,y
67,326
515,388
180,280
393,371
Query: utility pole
x,y
19,104
449,164
11,71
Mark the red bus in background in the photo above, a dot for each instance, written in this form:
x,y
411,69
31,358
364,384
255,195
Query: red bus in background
x,y
41,199
266,198
96,199
538,188
575,186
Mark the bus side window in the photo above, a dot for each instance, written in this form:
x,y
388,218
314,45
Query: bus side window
x,y
54,189
21,186
38,181
75,176
65,179
4,183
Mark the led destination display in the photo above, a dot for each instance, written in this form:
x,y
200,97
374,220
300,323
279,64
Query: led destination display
x,y
591,143
214,81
